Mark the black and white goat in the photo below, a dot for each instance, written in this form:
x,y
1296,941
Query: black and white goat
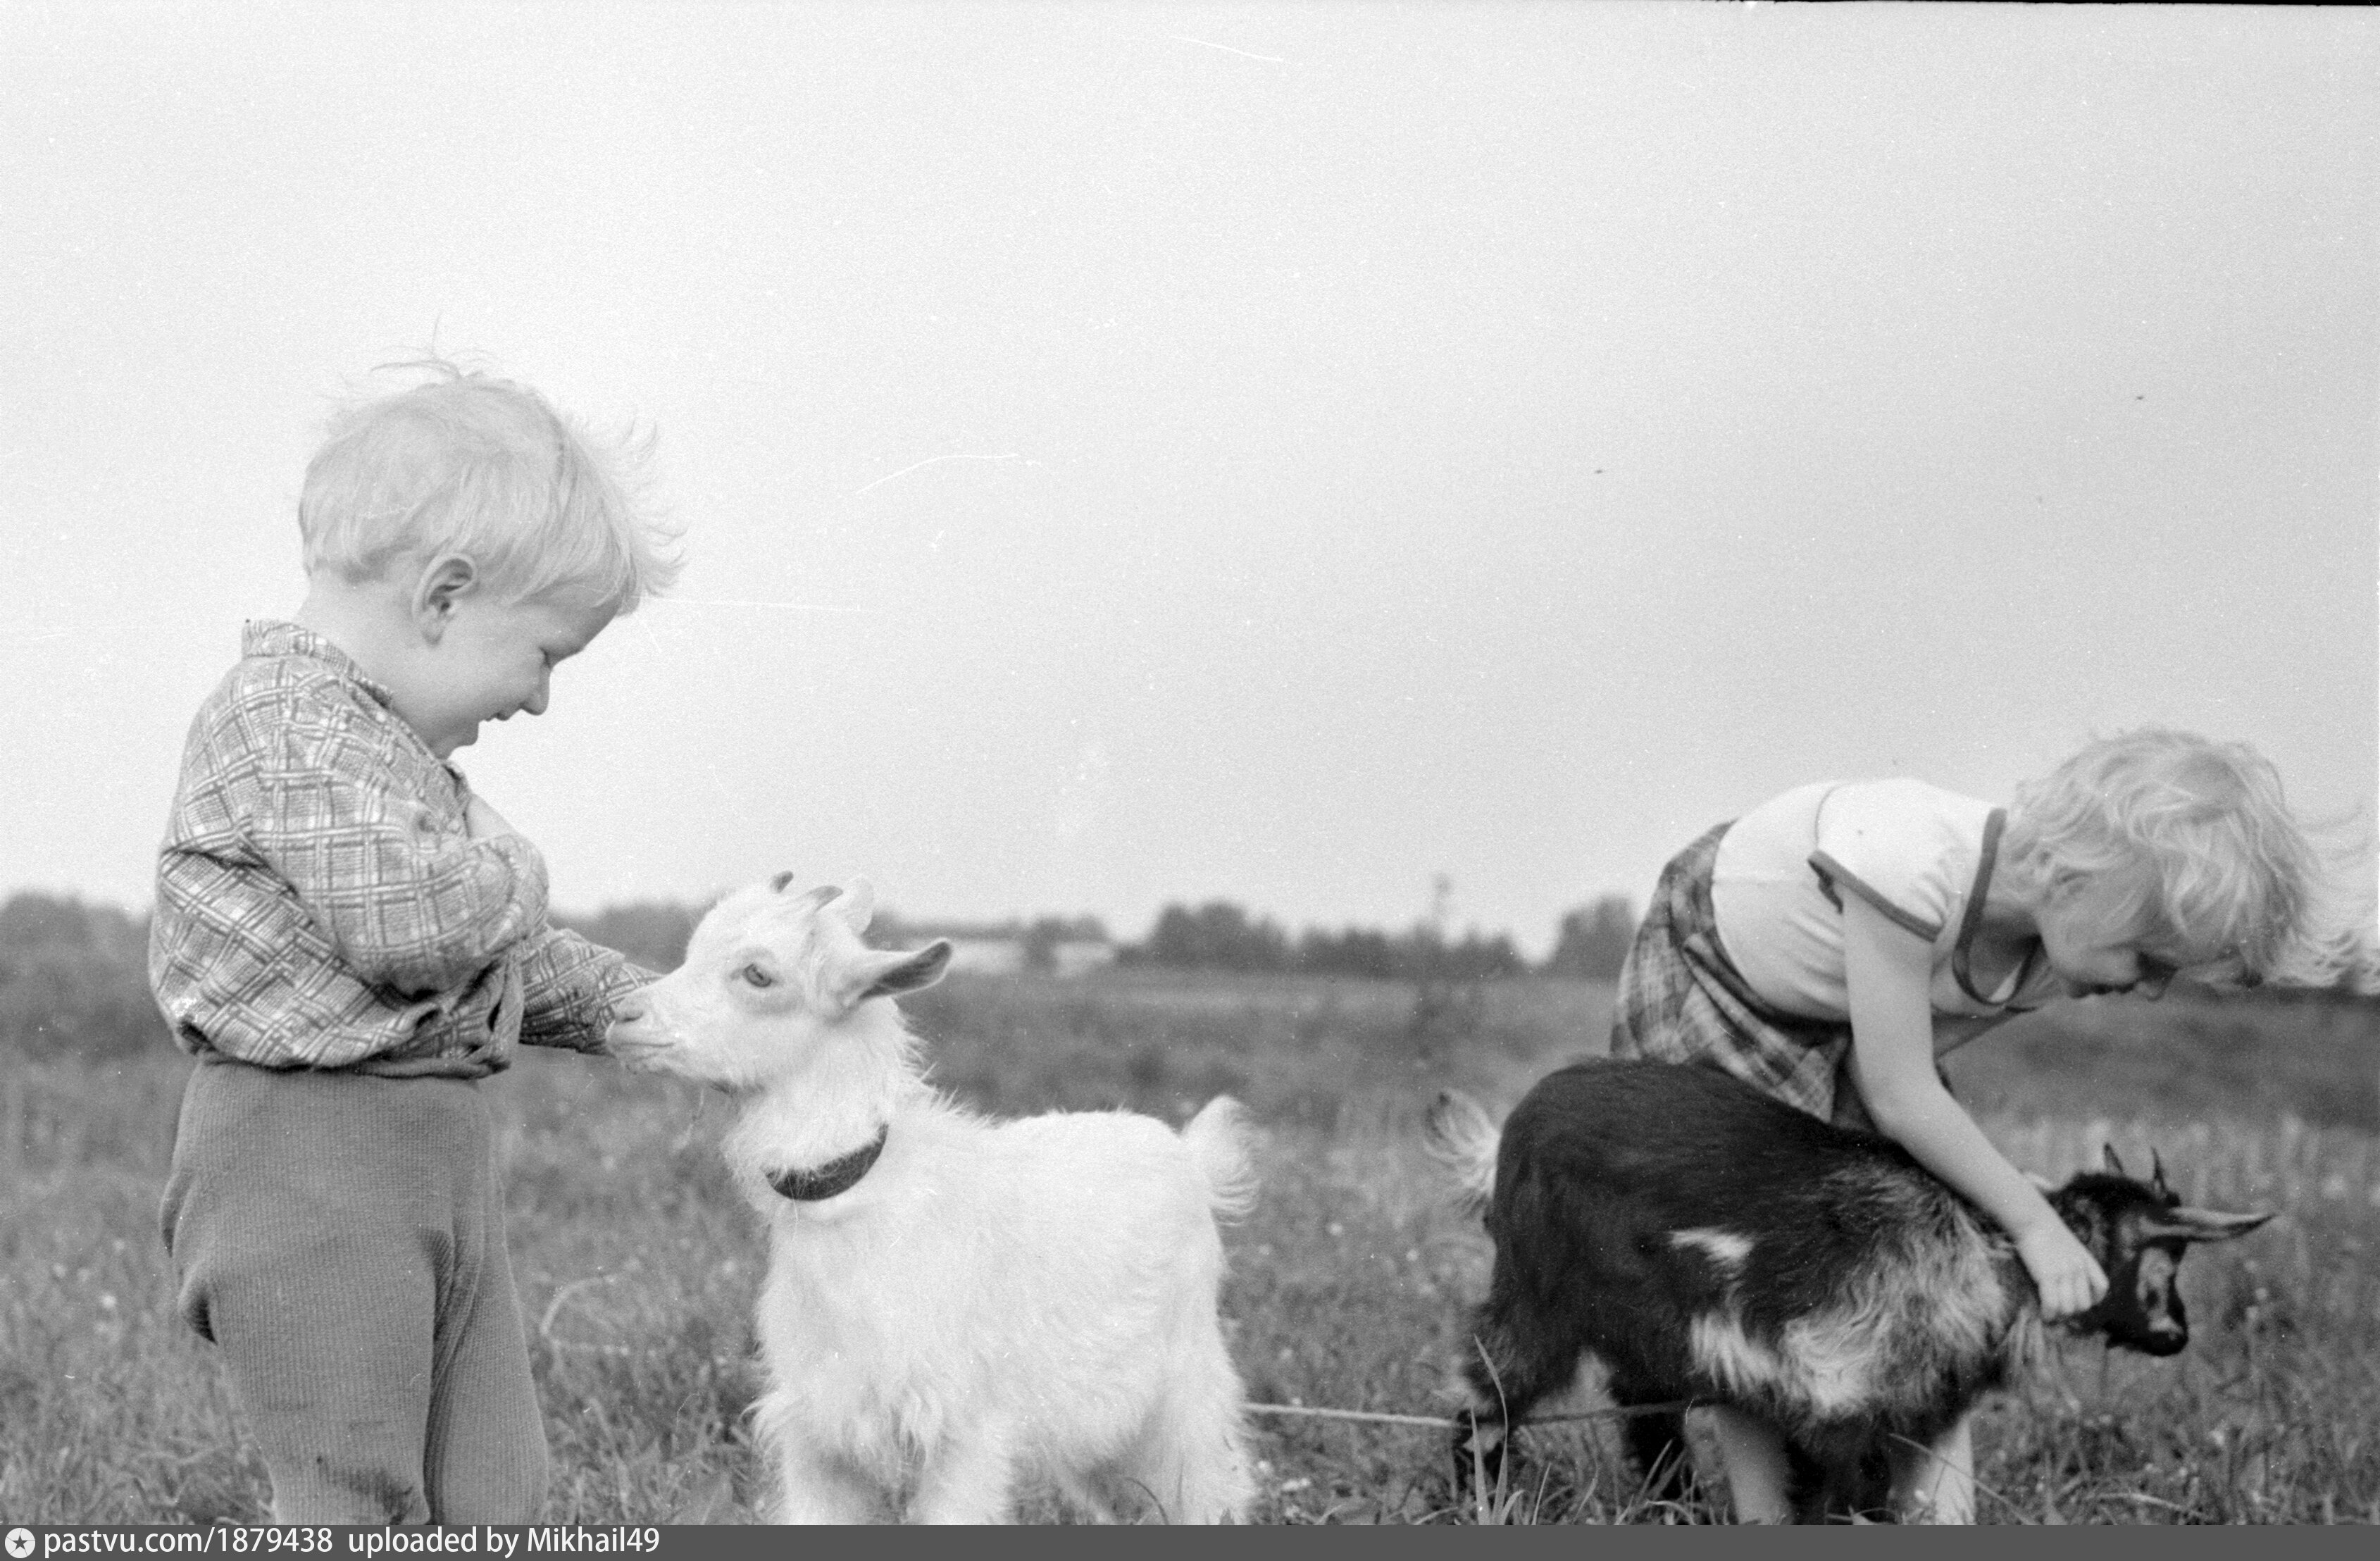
x,y
1704,1242
953,1305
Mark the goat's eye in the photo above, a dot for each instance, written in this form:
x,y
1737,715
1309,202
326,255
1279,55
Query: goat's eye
x,y
757,976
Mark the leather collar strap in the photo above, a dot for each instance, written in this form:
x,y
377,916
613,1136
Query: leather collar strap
x,y
835,1177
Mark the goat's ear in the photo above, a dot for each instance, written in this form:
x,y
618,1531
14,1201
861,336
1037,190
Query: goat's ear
x,y
780,880
920,969
2107,1153
857,905
889,973
2203,1224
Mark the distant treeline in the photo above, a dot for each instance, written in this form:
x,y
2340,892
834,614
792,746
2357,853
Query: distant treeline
x,y
1220,935
74,975
74,978
654,932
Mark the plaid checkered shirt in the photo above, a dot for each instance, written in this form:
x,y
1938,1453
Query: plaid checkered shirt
x,y
320,900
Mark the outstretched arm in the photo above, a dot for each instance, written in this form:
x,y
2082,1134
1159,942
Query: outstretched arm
x,y
1888,970
569,987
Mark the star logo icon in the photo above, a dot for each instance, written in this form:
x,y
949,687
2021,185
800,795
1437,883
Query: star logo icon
x,y
20,1542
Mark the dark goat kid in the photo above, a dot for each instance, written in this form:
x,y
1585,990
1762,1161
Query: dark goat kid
x,y
1706,1242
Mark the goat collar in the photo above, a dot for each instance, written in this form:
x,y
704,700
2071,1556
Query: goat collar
x,y
832,1179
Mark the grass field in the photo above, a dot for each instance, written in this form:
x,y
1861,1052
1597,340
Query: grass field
x,y
1348,1285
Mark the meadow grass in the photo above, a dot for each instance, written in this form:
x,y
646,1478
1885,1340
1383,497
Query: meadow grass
x,y
1348,1288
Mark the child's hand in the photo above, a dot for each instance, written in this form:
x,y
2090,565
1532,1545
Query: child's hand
x,y
484,822
2063,1270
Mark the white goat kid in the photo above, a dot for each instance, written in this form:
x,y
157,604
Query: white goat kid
x,y
953,1305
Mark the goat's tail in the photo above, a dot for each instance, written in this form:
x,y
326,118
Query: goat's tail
x,y
1459,1135
1221,1147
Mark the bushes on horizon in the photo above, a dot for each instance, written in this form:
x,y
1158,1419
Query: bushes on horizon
x,y
651,932
1220,935
1594,939
74,977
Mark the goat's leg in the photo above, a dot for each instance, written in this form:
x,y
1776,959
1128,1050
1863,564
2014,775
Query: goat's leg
x,y
1937,1484
969,1479
1190,1460
1508,1369
1760,1473
1842,1479
1656,1442
817,1486
1093,1493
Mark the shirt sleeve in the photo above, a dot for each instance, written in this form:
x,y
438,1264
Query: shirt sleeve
x,y
569,988
408,902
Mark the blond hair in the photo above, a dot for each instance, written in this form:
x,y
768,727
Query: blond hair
x,y
2195,845
470,464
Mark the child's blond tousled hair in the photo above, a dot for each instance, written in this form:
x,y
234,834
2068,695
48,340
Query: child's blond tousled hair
x,y
2197,847
470,464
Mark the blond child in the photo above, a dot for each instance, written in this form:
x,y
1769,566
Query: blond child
x,y
349,940
1831,943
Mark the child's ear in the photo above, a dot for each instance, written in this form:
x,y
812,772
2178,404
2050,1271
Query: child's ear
x,y
2063,885
446,580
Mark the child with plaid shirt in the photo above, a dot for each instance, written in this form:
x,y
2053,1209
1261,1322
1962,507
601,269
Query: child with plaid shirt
x,y
348,939
1830,945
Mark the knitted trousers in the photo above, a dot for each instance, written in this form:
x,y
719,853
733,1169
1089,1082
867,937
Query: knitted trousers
x,y
340,1238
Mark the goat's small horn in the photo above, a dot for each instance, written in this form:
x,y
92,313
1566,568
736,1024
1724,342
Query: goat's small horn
x,y
2205,1224
2156,1176
2107,1153
780,880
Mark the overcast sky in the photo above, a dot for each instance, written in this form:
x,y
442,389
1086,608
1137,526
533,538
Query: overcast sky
x,y
1135,453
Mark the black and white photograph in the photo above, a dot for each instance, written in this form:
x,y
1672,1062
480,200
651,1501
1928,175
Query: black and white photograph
x,y
1386,762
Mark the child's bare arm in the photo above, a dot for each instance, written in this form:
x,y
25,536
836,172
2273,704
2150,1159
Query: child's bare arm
x,y
1886,970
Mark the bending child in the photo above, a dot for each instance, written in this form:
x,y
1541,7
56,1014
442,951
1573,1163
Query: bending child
x,y
1830,944
348,939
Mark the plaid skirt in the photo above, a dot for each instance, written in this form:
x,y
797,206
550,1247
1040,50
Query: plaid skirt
x,y
1681,1000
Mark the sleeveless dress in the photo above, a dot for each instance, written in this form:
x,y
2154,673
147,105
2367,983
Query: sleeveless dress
x,y
1776,1018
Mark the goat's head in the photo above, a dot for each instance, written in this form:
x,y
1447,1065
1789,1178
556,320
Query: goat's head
x,y
770,976
2139,1231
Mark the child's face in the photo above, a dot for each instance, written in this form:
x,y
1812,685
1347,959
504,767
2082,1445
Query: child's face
x,y
2087,941
491,660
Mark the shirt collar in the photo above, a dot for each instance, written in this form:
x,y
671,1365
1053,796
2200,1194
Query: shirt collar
x,y
272,636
